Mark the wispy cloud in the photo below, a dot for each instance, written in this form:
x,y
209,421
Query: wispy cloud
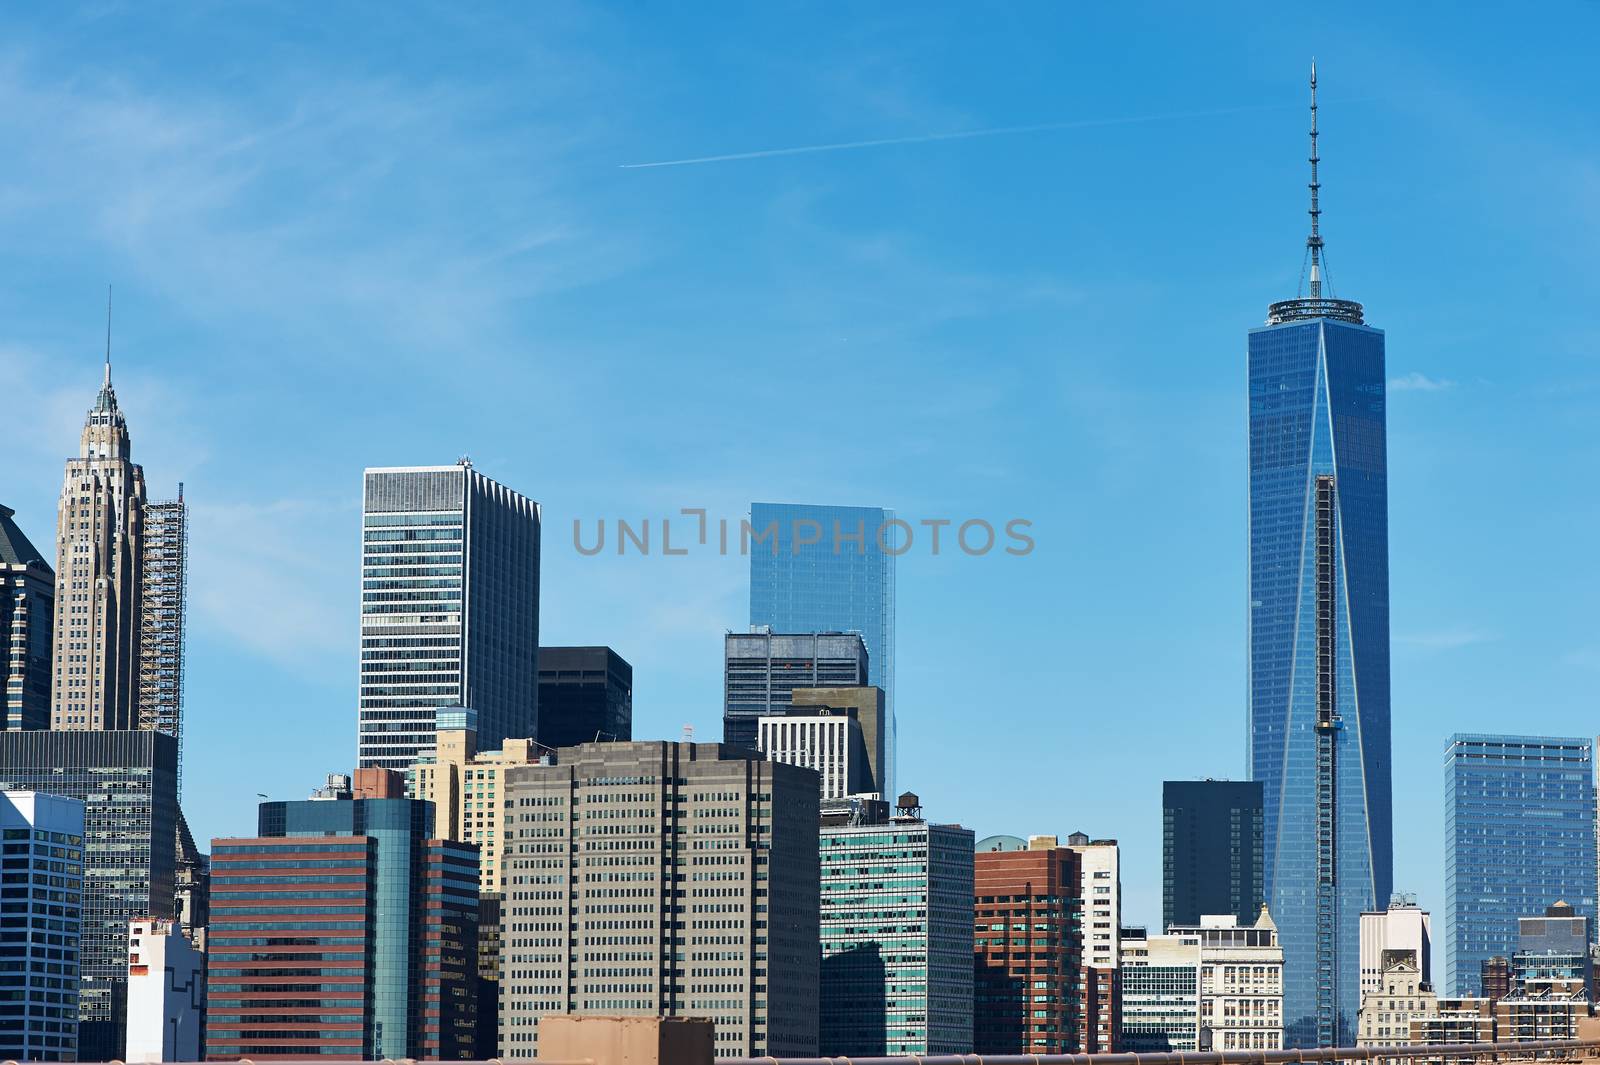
x,y
1419,382
1448,639
956,135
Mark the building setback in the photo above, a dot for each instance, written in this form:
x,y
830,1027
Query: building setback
x,y
41,903
347,903
585,695
867,704
1318,641
1519,835
762,669
663,879
819,568
27,617
1027,950
828,742
128,783
449,609
166,994
896,930
1211,850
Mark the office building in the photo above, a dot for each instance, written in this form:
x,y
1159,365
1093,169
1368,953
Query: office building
x,y
691,868
127,781
1100,866
1319,637
467,789
1519,834
897,936
1211,850
163,602
817,568
1027,948
866,704
829,742
1160,992
449,609
1553,1011
166,994
1241,981
1552,949
1401,996
370,917
41,903
762,669
1404,929
1455,1022
27,616
585,696
99,576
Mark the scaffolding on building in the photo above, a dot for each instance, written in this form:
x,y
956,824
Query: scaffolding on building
x,y
161,623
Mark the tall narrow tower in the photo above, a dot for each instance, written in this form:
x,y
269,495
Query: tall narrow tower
x,y
1319,634
99,569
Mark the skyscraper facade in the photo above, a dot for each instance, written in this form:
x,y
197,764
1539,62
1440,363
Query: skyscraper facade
x,y
1519,836
1211,850
128,783
896,920
348,903
1160,993
817,568
663,879
761,670
449,609
99,576
27,617
41,904
1319,639
585,695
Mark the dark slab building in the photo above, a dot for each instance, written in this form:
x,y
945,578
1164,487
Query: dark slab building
x,y
1211,850
585,695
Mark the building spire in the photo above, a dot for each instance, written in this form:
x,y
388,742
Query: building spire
x,y
108,327
1314,241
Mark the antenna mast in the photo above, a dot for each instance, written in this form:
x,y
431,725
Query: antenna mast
x,y
1314,241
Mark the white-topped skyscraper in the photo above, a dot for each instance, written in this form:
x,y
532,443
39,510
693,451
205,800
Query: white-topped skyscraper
x,y
449,609
1319,637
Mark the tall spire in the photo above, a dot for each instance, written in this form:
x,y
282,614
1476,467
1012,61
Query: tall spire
x,y
108,307
1314,241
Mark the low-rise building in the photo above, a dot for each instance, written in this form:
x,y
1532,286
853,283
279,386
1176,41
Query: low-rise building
x,y
166,994
1458,1021
1241,982
1387,1012
1160,990
1548,1011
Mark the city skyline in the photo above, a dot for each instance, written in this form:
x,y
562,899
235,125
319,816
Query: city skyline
x,y
1453,652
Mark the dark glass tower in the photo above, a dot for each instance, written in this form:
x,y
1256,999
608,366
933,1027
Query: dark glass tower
x,y
1319,638
1211,851
585,696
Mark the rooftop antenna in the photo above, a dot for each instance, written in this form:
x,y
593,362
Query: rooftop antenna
x,y
1314,241
108,336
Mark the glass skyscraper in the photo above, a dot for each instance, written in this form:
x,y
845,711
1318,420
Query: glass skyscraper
x,y
449,609
1319,638
842,581
1519,837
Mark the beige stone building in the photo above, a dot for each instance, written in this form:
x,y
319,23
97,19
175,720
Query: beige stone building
x,y
1402,997
1241,982
99,571
663,879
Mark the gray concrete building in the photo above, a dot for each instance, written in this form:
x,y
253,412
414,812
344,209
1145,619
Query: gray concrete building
x,y
27,609
761,670
449,609
663,879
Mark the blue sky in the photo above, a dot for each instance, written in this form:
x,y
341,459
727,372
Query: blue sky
x,y
384,235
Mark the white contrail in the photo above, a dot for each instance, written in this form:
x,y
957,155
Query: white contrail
x,y
998,131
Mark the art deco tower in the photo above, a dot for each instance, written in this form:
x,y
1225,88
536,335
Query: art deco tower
x,y
1319,637
99,571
